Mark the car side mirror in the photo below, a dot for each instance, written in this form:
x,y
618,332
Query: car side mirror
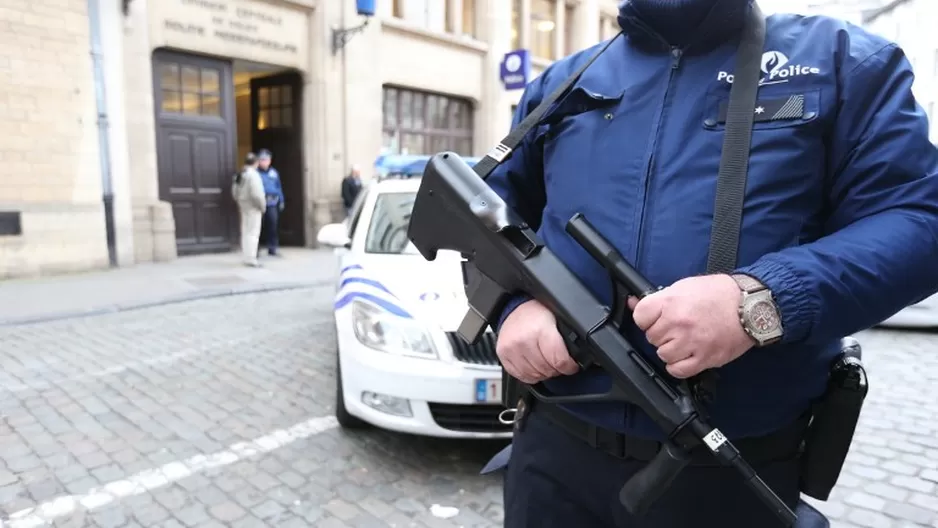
x,y
334,235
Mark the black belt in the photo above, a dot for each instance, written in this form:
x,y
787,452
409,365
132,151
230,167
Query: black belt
x,y
782,444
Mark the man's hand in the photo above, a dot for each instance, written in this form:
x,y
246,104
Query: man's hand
x,y
530,347
694,323
281,206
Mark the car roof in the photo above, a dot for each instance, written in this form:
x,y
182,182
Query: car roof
x,y
396,185
407,165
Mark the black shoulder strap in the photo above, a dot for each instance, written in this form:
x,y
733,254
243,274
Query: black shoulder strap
x,y
500,152
734,161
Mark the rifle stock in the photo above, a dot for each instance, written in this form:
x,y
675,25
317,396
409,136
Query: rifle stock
x,y
456,210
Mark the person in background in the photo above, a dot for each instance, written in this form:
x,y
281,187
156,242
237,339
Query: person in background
x,y
248,191
351,186
273,192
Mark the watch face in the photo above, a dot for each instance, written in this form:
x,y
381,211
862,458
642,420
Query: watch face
x,y
763,317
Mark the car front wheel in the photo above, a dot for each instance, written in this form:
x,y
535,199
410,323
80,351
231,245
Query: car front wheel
x,y
342,415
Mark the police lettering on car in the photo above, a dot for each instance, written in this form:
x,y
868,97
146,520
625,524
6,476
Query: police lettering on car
x,y
839,230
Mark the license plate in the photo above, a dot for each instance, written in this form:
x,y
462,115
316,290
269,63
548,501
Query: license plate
x,y
488,391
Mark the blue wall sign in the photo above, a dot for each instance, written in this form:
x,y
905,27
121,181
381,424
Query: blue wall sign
x,y
515,70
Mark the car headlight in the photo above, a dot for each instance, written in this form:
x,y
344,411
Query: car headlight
x,y
381,330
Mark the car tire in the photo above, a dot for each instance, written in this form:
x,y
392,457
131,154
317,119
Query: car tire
x,y
346,420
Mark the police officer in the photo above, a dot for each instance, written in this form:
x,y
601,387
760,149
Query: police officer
x,y
275,201
839,231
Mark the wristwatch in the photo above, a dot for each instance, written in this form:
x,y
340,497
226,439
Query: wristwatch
x,y
758,312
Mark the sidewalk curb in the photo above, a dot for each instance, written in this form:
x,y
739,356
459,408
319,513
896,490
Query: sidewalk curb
x,y
176,299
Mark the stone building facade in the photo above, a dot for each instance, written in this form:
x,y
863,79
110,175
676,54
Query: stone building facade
x,y
148,106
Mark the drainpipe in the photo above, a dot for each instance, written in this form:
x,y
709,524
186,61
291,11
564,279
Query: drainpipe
x,y
104,145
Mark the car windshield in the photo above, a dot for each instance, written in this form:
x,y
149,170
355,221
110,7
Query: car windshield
x,y
388,230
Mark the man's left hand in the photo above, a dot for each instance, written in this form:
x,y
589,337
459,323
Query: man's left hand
x,y
694,323
281,206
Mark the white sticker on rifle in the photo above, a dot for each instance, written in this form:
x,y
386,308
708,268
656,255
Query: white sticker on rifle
x,y
714,440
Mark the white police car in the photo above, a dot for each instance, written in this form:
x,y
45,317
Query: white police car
x,y
401,365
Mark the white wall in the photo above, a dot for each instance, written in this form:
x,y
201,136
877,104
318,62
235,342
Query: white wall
x,y
911,25
850,10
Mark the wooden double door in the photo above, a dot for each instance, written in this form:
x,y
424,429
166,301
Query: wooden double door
x,y
197,130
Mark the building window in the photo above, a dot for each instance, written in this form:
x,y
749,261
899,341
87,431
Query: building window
x,y
608,27
429,14
569,40
189,90
543,28
516,24
424,123
469,17
274,107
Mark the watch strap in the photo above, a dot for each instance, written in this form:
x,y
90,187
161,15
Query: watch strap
x,y
748,284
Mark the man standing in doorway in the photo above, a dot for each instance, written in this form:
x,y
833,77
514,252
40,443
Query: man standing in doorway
x,y
351,186
273,192
248,192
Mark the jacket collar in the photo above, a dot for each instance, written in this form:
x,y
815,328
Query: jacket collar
x,y
641,21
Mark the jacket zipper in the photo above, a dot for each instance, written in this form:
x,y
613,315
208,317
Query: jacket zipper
x,y
676,55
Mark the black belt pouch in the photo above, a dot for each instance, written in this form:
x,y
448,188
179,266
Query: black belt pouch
x,y
833,423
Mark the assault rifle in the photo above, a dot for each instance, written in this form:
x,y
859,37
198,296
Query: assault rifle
x,y
456,210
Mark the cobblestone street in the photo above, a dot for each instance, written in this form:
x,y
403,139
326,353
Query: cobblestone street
x,y
218,412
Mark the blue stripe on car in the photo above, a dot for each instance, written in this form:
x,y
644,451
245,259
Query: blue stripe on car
x,y
383,303
349,268
367,282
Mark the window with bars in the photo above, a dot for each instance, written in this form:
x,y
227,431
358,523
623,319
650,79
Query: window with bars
x,y
274,107
190,90
425,123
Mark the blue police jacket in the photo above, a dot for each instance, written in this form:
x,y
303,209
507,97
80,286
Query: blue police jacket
x,y
271,179
841,210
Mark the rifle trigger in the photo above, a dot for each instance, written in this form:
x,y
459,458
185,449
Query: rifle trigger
x,y
576,351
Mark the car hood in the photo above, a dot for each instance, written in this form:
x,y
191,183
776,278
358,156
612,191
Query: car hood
x,y
431,292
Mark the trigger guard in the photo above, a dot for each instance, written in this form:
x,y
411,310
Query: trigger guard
x,y
543,395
